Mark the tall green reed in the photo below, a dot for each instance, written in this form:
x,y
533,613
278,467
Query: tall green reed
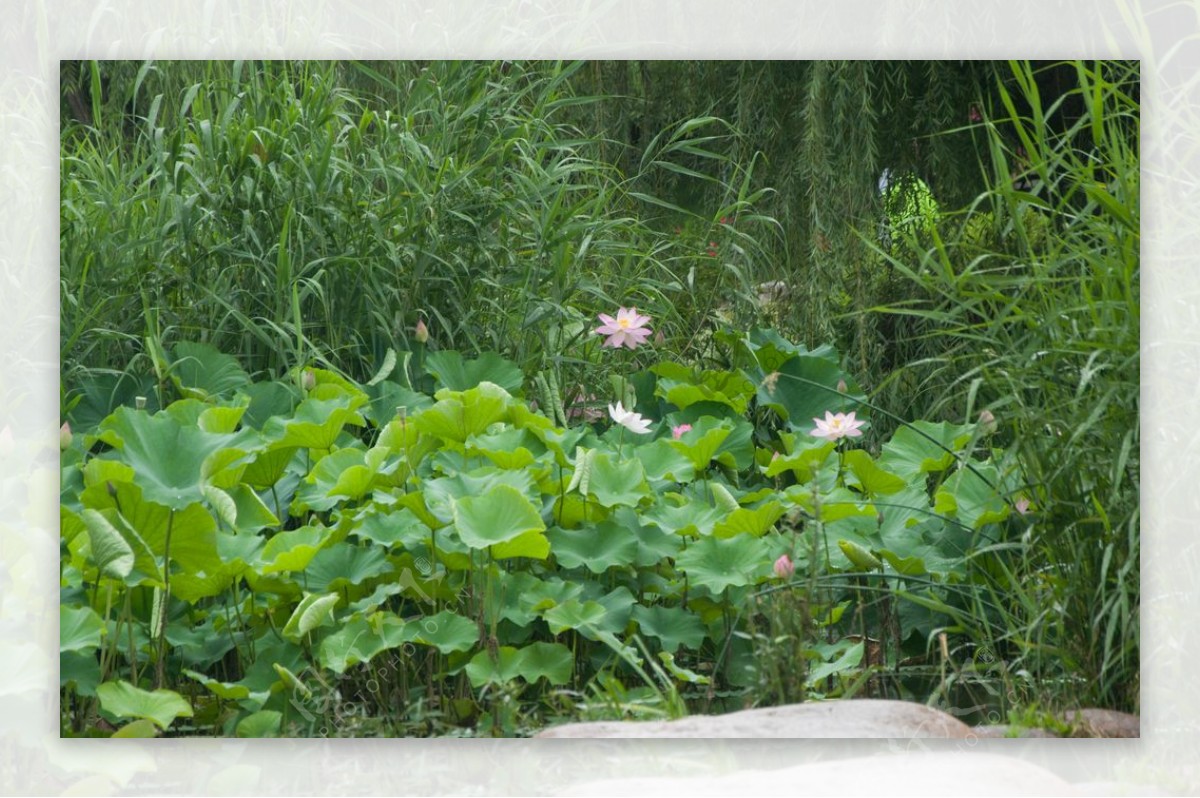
x,y
1027,305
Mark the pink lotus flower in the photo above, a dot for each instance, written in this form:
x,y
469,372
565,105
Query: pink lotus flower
x,y
677,432
842,425
1022,505
628,328
628,419
784,567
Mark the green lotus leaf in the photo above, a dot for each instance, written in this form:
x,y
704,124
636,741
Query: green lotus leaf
x,y
188,412
79,629
264,723
445,631
551,661
291,681
252,513
192,529
100,394
399,528
683,387
221,504
606,545
200,370
720,563
222,420
228,691
292,550
664,462
316,423
539,595
312,611
369,603
138,729
111,553
571,510
967,496
341,564
615,483
170,461
269,465
653,544
911,451
268,399
79,670
324,485
530,544
500,515
360,639
805,386
618,606
746,521
194,587
574,614
122,699
205,643
441,494
458,415
673,626
509,448
700,445
456,374
864,473
851,655
692,518
238,551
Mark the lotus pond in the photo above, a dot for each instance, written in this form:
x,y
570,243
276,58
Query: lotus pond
x,y
453,550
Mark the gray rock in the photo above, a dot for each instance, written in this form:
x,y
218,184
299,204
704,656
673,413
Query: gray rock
x,y
1102,723
860,718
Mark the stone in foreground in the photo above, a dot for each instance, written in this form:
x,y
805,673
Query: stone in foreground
x,y
860,718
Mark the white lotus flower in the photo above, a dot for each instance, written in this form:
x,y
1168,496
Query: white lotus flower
x,y
628,419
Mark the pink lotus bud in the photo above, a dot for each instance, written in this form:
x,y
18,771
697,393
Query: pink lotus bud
x,y
421,332
841,386
1022,505
677,432
784,567
659,338
308,380
64,436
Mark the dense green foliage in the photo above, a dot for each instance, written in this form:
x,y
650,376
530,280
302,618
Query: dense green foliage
x,y
966,234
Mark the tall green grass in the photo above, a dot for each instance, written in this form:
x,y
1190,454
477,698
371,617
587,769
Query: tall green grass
x,y
1027,305
301,211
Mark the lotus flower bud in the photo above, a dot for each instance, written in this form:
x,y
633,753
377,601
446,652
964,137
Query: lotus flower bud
x,y
139,402
841,386
421,332
987,422
64,436
784,567
308,380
